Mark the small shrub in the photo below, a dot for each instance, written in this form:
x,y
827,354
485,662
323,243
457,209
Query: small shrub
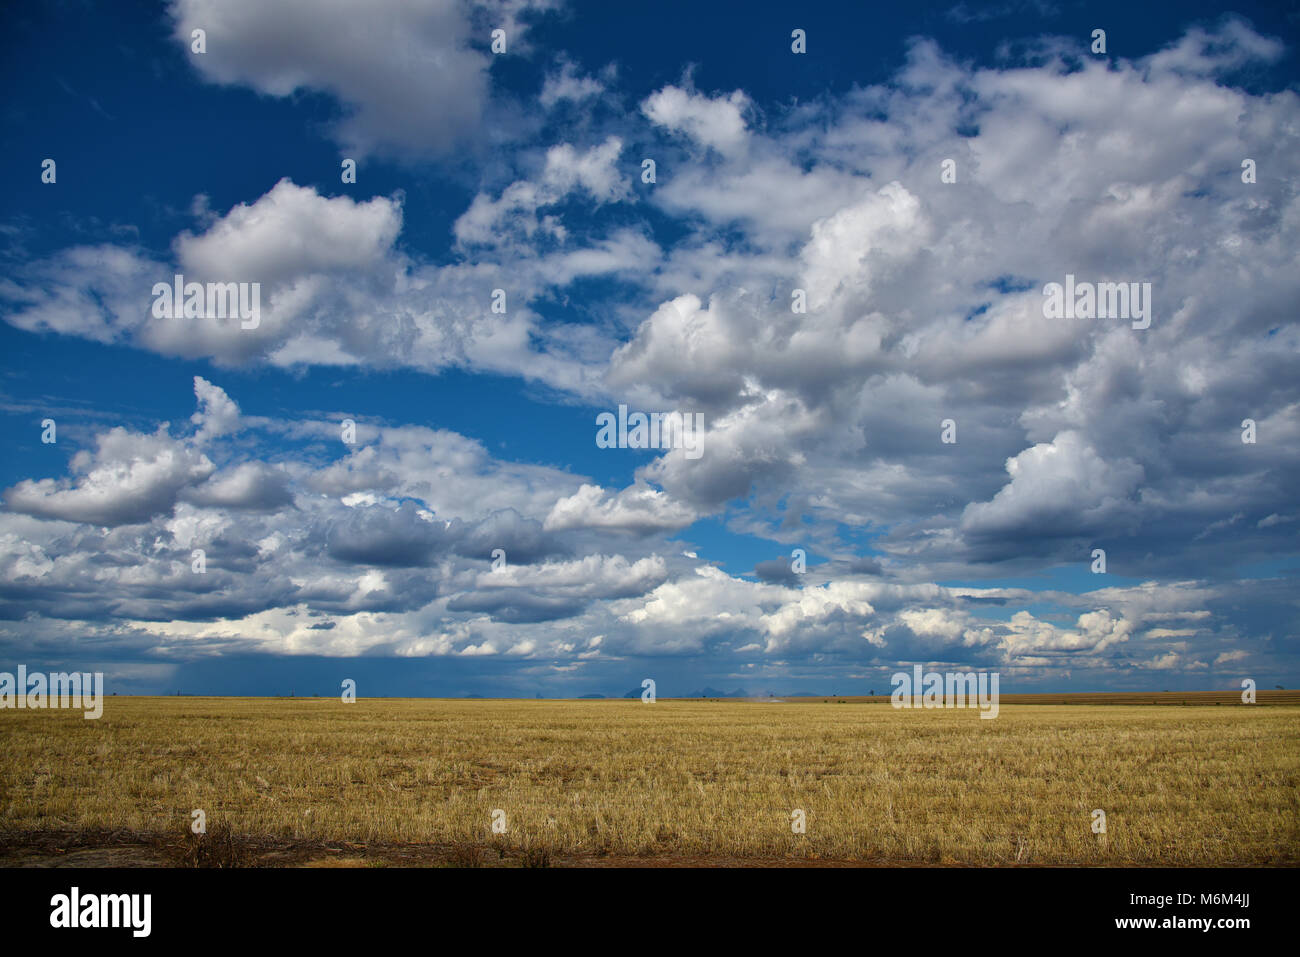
x,y
219,847
536,855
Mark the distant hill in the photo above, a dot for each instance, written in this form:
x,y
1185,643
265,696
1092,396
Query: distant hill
x,y
715,693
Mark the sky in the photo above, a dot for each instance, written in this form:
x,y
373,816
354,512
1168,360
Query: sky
x,y
831,251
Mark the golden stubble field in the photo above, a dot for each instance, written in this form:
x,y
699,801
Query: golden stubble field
x,y
1179,785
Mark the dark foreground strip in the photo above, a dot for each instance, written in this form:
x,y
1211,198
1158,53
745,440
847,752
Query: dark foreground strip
x,y
646,907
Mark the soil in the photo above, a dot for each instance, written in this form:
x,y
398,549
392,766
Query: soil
x,y
134,849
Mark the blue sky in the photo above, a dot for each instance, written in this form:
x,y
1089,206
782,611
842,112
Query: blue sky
x,y
476,430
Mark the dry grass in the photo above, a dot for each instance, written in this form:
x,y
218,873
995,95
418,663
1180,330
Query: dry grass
x,y
1184,786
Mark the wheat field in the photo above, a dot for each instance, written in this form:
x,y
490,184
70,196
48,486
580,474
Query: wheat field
x,y
1180,786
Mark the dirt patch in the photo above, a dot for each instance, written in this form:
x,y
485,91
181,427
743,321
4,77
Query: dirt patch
x,y
133,849
117,856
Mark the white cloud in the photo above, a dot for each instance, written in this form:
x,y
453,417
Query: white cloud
x,y
218,414
567,171
638,508
565,84
1064,483
822,427
289,233
129,478
407,71
714,122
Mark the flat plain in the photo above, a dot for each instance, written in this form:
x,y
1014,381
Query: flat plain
x,y
1182,780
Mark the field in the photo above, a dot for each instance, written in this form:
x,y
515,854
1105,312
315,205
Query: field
x,y
613,781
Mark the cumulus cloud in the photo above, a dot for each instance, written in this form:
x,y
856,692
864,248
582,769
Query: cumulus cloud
x,y
128,479
412,76
334,289
806,280
251,485
593,173
639,509
217,415
1062,486
712,122
291,232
